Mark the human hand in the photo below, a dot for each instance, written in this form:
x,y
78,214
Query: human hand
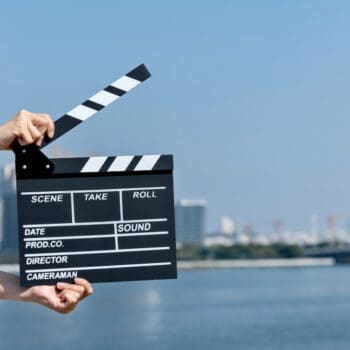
x,y
62,298
27,128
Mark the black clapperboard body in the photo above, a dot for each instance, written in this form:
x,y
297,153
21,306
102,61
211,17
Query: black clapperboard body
x,y
101,218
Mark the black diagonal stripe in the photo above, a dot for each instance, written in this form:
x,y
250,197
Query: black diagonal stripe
x,y
62,125
108,162
165,162
140,73
93,105
69,165
114,90
133,163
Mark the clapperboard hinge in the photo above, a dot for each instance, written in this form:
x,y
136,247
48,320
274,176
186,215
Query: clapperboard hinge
x,y
31,162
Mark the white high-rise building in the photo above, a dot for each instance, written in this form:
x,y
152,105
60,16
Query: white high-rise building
x,y
227,225
190,221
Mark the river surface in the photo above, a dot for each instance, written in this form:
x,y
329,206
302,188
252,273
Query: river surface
x,y
296,308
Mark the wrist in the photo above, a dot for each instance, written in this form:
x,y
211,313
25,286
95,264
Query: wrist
x,y
28,295
10,287
7,135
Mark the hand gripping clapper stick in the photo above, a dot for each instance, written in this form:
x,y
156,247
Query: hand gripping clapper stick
x,y
100,218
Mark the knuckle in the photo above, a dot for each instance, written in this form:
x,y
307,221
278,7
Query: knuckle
x,y
22,112
47,118
18,133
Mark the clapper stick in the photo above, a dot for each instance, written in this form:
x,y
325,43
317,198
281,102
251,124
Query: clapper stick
x,y
30,160
92,105
98,101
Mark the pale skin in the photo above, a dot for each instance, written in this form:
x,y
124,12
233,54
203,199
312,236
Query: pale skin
x,y
63,297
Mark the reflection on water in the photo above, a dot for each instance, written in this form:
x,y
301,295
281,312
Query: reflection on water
x,y
153,317
300,308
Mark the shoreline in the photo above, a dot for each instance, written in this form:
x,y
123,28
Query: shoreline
x,y
254,263
229,264
10,268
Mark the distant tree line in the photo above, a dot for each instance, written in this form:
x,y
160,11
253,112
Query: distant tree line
x,y
239,251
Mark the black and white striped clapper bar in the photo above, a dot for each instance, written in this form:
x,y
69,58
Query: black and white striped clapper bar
x,y
100,218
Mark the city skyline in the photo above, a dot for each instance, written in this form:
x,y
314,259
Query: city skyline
x,y
191,218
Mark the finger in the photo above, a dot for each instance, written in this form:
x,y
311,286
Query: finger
x,y
25,131
44,120
69,286
39,121
40,141
24,136
69,300
50,128
34,131
83,282
69,296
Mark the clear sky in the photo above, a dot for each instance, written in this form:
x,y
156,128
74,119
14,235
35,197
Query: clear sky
x,y
251,97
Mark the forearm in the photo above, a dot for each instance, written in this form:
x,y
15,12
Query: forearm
x,y
10,288
7,135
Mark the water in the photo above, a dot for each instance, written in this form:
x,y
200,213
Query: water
x,y
303,308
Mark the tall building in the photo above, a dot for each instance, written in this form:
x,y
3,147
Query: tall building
x,y
190,220
225,237
9,243
227,225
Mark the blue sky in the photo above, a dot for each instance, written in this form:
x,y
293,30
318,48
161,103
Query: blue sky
x,y
251,97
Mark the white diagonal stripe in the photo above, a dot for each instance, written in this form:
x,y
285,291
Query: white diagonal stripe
x,y
81,112
147,162
125,83
103,98
120,163
93,164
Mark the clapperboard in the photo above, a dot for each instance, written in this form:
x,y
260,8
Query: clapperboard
x,y
101,218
